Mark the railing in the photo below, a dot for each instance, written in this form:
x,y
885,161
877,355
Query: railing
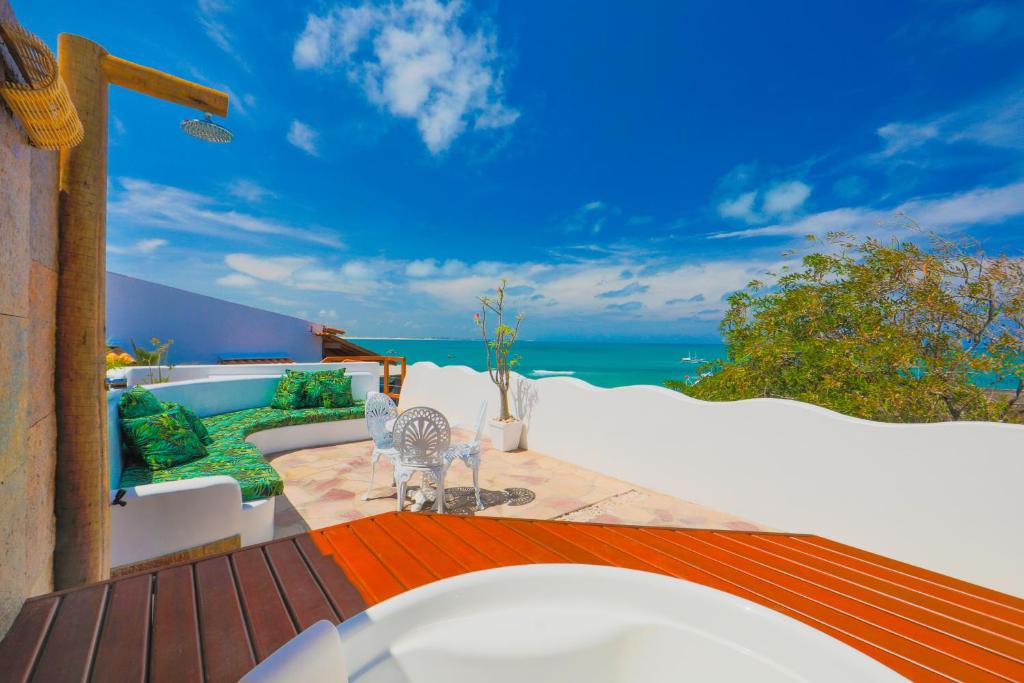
x,y
385,360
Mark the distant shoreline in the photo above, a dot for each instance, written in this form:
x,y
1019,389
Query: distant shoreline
x,y
403,338
544,341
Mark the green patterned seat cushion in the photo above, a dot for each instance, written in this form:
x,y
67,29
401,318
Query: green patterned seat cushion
x,y
328,389
242,423
243,462
163,440
138,402
194,422
229,453
290,389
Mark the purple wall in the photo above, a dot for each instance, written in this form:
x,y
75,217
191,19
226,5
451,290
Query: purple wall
x,y
203,328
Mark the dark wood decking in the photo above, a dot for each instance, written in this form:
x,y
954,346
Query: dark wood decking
x,y
215,618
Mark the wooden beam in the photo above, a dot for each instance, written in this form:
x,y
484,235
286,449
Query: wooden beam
x,y
163,86
82,552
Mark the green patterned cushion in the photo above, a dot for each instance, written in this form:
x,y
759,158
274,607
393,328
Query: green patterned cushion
x,y
229,453
241,461
194,423
289,392
163,440
328,389
138,402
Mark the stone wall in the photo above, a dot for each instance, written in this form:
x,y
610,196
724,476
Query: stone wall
x,y
28,298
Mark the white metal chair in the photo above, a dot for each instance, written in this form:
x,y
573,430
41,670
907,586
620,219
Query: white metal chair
x,y
380,410
422,436
469,454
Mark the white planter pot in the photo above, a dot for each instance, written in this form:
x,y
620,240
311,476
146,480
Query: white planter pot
x,y
505,435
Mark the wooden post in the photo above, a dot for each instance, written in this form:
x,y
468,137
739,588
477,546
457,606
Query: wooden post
x,y
82,552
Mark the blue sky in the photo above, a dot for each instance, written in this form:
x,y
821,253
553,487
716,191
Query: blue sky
x,y
624,165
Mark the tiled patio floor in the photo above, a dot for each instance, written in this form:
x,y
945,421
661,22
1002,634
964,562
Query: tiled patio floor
x,y
325,486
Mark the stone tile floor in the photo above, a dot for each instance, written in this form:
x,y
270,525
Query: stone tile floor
x,y
325,486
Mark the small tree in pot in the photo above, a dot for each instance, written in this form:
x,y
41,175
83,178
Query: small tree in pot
x,y
506,430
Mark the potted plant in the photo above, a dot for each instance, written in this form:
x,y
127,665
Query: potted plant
x,y
506,430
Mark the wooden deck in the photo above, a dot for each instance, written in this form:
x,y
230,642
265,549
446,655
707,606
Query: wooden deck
x,y
214,619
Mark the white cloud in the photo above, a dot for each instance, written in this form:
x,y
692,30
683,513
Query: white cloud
x,y
362,278
358,270
659,293
414,59
741,207
269,268
756,206
571,289
982,205
140,202
144,246
591,217
237,280
996,122
430,267
785,198
899,137
249,190
979,206
303,137
210,15
236,102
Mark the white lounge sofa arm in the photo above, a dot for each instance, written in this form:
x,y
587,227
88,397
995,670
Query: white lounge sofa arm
x,y
158,519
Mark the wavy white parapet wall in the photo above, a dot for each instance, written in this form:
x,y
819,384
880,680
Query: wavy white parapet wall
x,y
945,496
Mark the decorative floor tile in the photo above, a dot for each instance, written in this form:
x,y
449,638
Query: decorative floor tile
x,y
324,486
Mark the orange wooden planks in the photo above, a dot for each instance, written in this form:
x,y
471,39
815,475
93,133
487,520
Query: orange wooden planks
x,y
211,619
924,625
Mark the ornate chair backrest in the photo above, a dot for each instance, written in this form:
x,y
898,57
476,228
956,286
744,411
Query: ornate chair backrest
x,y
380,408
422,436
480,424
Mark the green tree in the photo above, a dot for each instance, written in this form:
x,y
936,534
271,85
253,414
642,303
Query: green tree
x,y
884,330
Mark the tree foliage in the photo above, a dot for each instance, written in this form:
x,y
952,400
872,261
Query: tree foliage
x,y
884,330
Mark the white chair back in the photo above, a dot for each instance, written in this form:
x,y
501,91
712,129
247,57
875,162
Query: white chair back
x,y
421,435
480,424
379,410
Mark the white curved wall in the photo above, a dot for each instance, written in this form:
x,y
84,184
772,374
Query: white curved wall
x,y
944,496
182,373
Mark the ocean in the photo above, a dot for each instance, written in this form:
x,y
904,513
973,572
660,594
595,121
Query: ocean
x,y
603,364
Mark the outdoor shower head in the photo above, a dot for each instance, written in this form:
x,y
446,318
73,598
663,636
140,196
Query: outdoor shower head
x,y
206,129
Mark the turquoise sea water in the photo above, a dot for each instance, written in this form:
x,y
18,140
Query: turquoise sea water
x,y
603,364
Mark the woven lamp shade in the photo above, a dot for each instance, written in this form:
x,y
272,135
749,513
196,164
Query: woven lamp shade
x,y
42,103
